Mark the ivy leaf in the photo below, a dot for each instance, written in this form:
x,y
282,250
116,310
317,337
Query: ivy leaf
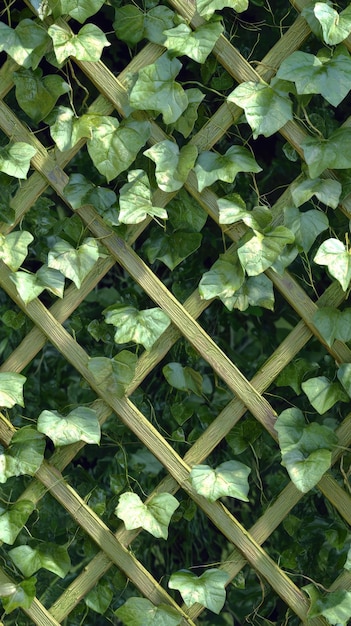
x,y
267,107
185,123
141,612
135,200
326,190
46,555
323,394
185,213
328,73
294,373
80,10
81,424
228,479
196,44
81,191
132,25
37,95
15,158
22,597
11,389
154,516
114,375
172,165
334,254
156,90
207,589
255,291
223,279
172,248
74,263
344,375
333,324
68,129
333,152
87,45
305,226
232,209
30,286
242,436
14,248
100,597
13,519
26,44
260,251
142,327
206,8
335,606
211,166
183,378
306,449
24,454
113,146
335,26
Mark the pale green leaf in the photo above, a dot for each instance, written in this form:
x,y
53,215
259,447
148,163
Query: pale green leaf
x,y
24,455
172,248
13,519
80,191
154,516
26,44
114,375
86,45
51,279
156,90
255,291
206,8
80,10
326,190
347,564
228,479
196,44
15,158
334,254
81,424
141,612
260,251
223,279
68,129
305,226
323,394
211,166
335,26
14,248
142,327
183,378
185,123
49,556
344,375
29,286
74,263
207,589
11,389
135,200
22,597
232,209
132,25
330,322
335,606
267,109
37,94
333,152
172,165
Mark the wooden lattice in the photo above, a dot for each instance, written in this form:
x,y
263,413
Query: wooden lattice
x,y
49,171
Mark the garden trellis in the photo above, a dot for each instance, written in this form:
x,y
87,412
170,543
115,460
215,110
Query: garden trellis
x,y
50,169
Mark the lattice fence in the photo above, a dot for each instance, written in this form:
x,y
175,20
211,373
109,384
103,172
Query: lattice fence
x,y
116,547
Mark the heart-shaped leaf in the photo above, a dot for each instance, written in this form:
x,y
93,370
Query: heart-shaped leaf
x,y
24,454
135,200
154,516
196,44
172,165
223,279
114,375
206,8
172,248
323,394
335,26
11,389
183,378
228,479
87,45
74,263
211,166
306,226
334,254
333,152
141,612
37,94
81,424
207,589
23,596
15,159
261,251
335,606
14,248
80,10
142,327
26,44
49,556
13,519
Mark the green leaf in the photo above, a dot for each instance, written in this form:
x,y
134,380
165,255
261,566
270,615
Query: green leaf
x,y
333,152
13,520
113,147
141,612
46,555
294,373
335,26
156,90
135,200
233,209
267,107
11,389
14,248
244,435
114,375
81,191
185,213
80,10
327,191
196,44
335,606
26,44
347,564
328,73
74,263
306,449
211,166
24,454
37,95
333,324
334,254
154,516
99,598
81,424
323,394
172,248
68,129
87,45
207,589
261,251
132,25
305,226
228,479
183,378
344,375
22,597
15,158
172,165
142,327
255,291
206,8
223,279
185,123
29,286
